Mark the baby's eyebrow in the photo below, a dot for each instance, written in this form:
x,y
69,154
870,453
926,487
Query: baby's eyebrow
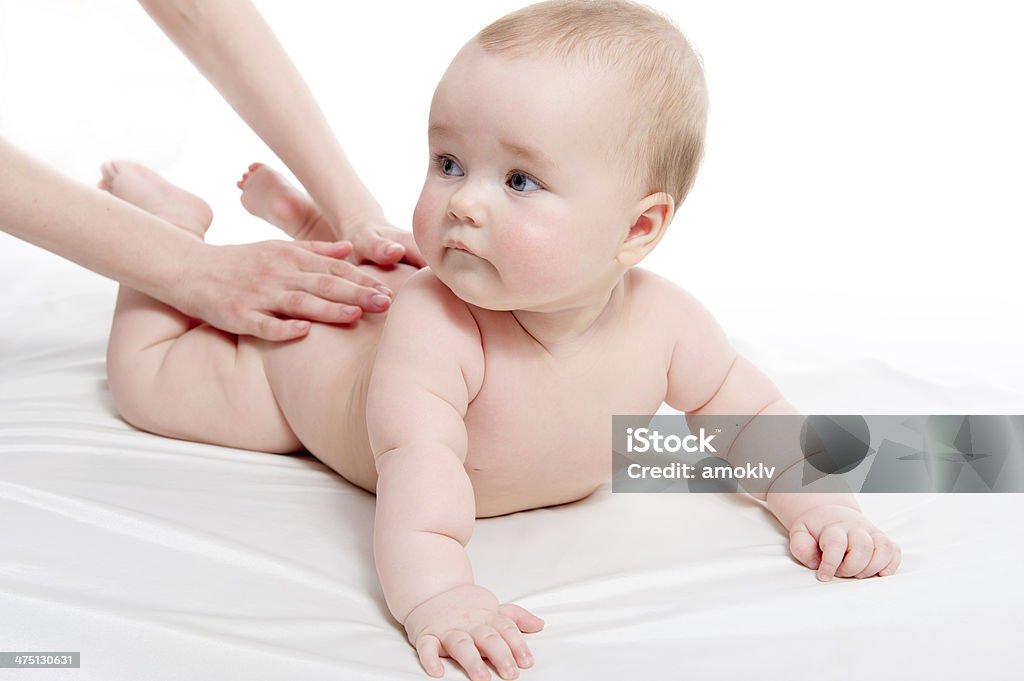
x,y
439,129
531,154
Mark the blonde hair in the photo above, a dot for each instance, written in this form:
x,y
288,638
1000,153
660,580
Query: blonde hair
x,y
665,140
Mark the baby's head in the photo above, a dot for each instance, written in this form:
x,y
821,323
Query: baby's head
x,y
562,139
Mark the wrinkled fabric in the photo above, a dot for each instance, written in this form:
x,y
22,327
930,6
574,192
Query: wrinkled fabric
x,y
163,559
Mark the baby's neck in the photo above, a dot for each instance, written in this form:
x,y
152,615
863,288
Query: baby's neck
x,y
566,330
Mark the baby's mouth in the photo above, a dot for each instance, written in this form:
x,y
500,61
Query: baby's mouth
x,y
457,245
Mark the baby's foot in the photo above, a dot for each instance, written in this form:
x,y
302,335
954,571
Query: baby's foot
x,y
140,186
268,195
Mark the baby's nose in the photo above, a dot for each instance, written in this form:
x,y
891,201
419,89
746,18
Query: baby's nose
x,y
466,206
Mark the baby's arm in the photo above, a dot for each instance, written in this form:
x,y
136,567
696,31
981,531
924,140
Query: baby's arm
x,y
707,376
428,369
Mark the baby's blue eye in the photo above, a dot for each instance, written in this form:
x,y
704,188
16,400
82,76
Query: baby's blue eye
x,y
521,182
449,167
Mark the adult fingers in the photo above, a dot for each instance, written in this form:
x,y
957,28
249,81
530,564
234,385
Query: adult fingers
x,y
271,328
428,648
316,263
372,246
412,251
494,646
858,554
833,542
311,306
330,249
523,618
462,648
335,290
804,548
884,550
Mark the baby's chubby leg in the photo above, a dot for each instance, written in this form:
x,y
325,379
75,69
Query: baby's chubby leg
x,y
170,374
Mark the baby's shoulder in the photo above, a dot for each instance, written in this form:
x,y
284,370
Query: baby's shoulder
x,y
429,330
427,310
425,299
663,303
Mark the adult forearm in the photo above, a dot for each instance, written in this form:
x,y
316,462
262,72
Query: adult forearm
x,y
90,227
425,515
235,49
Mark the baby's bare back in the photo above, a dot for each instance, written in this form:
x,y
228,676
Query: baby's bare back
x,y
539,429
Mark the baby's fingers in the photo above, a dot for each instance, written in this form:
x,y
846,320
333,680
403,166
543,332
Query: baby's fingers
x,y
833,542
511,630
428,648
462,648
496,648
804,548
893,564
526,621
884,560
860,551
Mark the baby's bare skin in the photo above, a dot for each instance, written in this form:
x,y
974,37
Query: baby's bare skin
x,y
319,383
491,387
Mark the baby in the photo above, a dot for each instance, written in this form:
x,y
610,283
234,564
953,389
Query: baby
x,y
562,139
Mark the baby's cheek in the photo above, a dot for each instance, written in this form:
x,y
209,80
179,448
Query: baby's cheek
x,y
424,208
538,259
425,223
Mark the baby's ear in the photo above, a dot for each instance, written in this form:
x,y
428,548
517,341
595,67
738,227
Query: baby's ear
x,y
653,212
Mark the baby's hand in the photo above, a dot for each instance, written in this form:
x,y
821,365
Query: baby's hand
x,y
837,540
468,624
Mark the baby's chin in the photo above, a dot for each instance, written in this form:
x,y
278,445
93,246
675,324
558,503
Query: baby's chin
x,y
472,294
475,288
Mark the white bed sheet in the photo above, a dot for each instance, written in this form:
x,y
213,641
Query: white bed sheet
x,y
161,559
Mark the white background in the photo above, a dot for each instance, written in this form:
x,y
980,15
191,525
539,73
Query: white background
x,y
860,196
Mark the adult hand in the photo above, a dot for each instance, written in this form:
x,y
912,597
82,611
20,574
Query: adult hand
x,y
244,289
384,244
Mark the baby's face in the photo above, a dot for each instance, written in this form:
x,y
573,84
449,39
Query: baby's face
x,y
525,206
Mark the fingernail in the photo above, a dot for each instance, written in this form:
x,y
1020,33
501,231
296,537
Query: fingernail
x,y
393,249
301,326
349,309
380,300
385,290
